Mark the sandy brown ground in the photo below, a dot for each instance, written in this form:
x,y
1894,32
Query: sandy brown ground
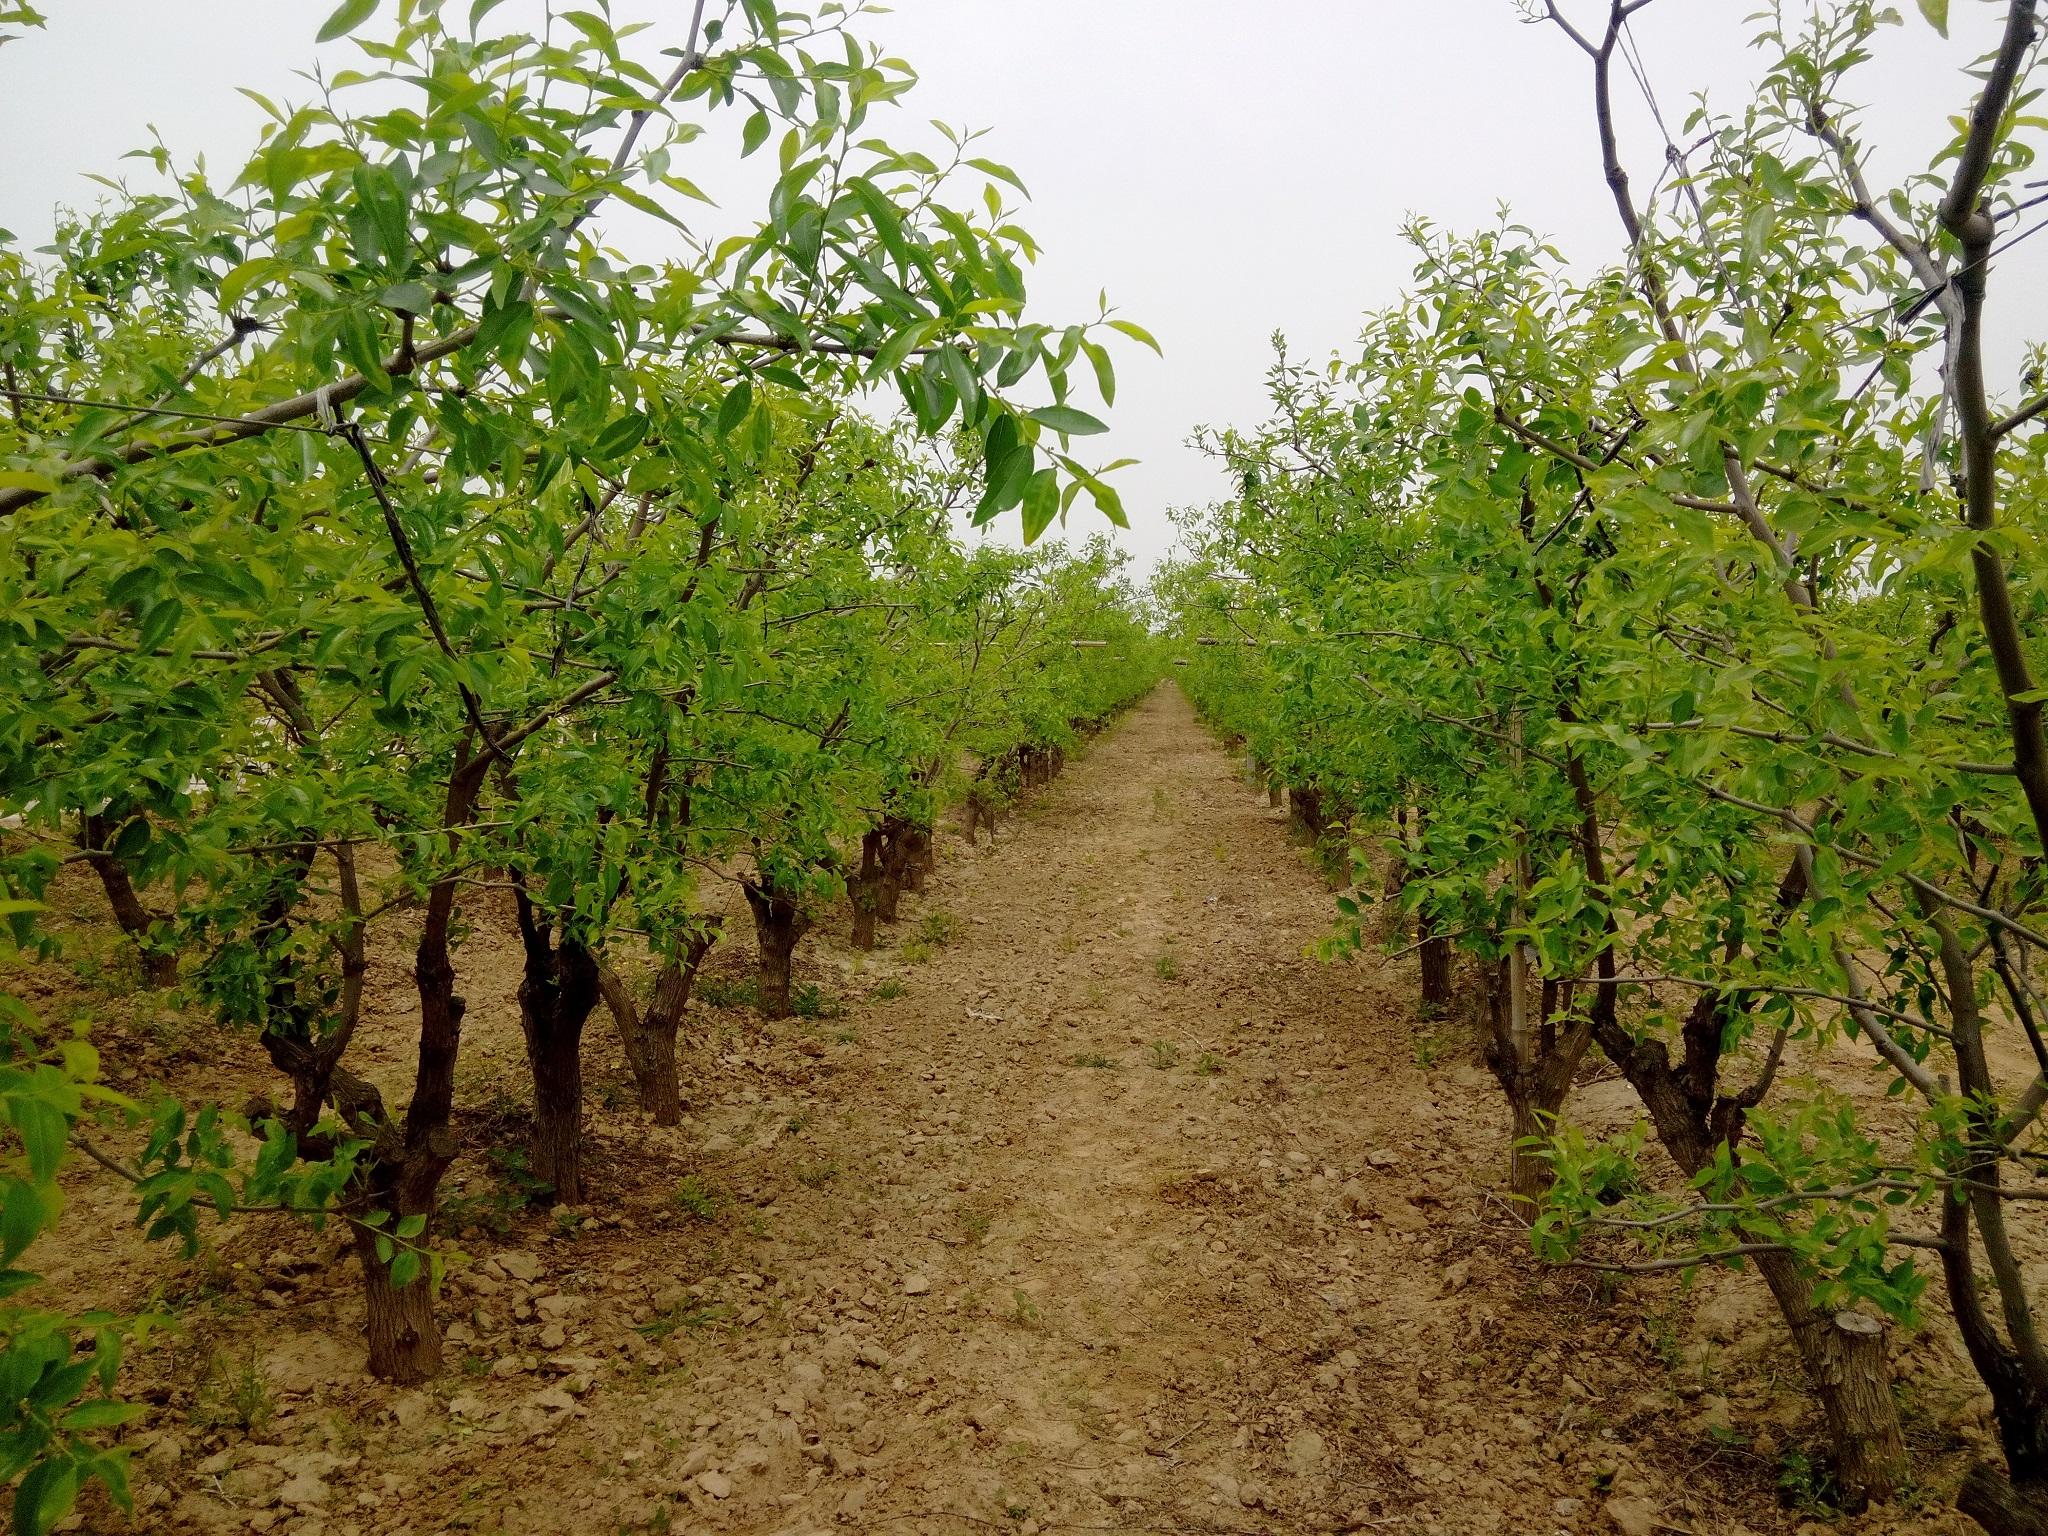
x,y
1117,1213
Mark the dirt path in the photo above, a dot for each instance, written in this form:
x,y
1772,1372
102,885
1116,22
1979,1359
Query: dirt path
x,y
1118,1212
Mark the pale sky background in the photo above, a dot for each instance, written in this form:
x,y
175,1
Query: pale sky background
x,y
1224,169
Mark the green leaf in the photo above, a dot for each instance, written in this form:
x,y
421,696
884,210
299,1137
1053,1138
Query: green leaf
x,y
1136,332
1041,503
754,135
44,1497
1067,420
1936,12
100,1413
739,400
620,437
347,16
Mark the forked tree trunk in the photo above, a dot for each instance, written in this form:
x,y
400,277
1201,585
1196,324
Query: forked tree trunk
x,y
560,988
1534,1056
650,1038
981,812
1845,1362
405,1341
131,915
779,925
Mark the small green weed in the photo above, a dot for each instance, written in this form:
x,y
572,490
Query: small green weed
x,y
234,1396
808,1002
817,1175
1806,1486
722,992
1165,1054
1167,966
1208,1064
888,991
695,1197
692,1315
1093,1059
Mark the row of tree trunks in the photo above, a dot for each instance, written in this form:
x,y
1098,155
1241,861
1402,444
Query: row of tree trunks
x,y
1000,779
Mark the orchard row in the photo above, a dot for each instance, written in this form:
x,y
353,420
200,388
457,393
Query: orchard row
x,y
381,536
1677,627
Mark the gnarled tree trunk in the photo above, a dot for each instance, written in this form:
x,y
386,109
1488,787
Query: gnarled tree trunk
x,y
920,860
864,886
650,1038
1305,812
1534,1049
779,925
895,854
560,988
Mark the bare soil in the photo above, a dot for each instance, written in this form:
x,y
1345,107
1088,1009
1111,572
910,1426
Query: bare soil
x,y
1092,1201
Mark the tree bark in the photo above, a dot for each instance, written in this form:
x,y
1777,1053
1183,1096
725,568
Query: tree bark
x,y
1845,1358
920,861
1847,1369
863,889
895,857
404,1340
1435,957
1305,811
560,988
779,925
649,1038
134,918
2000,1505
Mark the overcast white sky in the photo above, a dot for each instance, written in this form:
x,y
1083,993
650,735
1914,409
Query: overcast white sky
x,y
1225,169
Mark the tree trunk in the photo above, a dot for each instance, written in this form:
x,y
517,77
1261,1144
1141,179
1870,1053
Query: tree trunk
x,y
1274,795
2003,1507
650,1038
1534,1104
1534,1051
405,1341
1845,1358
1305,812
1435,956
920,862
1845,1363
862,889
135,920
895,855
778,927
560,988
